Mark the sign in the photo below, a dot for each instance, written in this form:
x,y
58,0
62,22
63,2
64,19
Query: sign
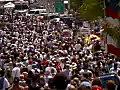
x,y
59,5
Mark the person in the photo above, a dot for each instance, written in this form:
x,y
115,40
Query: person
x,y
110,85
4,84
67,72
22,80
34,84
60,81
115,69
118,75
28,84
15,71
96,84
16,85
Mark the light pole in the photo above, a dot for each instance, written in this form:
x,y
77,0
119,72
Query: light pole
x,y
69,4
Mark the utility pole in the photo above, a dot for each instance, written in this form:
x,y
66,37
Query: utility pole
x,y
69,4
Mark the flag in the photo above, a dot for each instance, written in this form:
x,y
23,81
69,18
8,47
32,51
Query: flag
x,y
112,8
112,46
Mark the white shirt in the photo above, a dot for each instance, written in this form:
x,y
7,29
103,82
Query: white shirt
x,y
16,72
6,84
67,72
29,67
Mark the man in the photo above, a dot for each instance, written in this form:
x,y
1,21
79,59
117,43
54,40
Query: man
x,y
15,71
68,71
4,84
115,68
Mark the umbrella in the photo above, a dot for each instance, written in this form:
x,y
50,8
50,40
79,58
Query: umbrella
x,y
94,37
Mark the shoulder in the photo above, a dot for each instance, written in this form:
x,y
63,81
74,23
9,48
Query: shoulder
x,y
5,80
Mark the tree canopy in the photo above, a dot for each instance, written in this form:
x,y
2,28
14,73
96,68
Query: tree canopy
x,y
89,9
75,4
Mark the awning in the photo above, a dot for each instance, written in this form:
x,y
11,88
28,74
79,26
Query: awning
x,y
9,5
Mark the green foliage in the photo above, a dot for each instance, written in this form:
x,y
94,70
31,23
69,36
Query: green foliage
x,y
75,4
92,9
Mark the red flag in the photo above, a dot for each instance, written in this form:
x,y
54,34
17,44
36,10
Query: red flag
x,y
112,12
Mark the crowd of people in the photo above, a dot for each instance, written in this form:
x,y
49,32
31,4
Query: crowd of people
x,y
36,56
48,4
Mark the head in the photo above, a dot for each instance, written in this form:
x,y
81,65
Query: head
x,y
85,86
60,81
110,85
2,72
67,66
25,74
21,77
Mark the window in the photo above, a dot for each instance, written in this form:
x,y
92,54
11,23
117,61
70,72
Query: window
x,y
21,7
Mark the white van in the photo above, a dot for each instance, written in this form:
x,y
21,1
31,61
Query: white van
x,y
36,12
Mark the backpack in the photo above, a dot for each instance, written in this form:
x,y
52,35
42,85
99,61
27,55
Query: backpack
x,y
1,82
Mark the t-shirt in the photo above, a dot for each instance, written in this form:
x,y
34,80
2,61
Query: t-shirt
x,y
16,72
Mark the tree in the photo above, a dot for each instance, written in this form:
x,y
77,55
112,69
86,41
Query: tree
x,y
75,4
92,9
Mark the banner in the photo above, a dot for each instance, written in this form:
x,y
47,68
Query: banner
x,y
112,8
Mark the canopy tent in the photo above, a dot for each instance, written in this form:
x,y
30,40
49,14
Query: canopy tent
x,y
6,0
9,5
